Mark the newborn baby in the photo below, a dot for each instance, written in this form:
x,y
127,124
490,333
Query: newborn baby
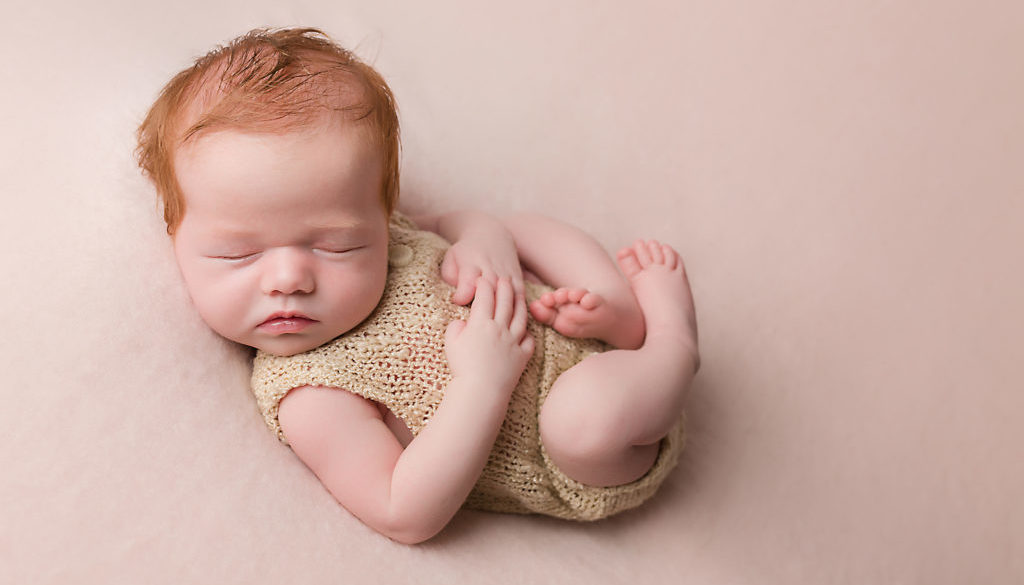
x,y
416,365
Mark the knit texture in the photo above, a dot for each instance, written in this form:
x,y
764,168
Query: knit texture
x,y
396,357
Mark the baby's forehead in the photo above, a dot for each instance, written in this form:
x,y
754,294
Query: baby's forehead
x,y
241,170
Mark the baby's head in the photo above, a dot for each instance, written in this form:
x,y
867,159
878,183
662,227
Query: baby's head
x,y
276,158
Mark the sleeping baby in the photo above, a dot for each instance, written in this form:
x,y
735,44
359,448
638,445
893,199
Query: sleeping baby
x,y
415,364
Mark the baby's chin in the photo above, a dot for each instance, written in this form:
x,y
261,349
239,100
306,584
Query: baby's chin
x,y
288,347
285,345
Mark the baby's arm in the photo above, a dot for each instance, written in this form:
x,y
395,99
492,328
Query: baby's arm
x,y
409,495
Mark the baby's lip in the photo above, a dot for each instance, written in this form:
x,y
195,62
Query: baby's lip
x,y
287,315
286,322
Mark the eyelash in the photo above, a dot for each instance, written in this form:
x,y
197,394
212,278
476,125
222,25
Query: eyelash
x,y
236,258
335,252
243,257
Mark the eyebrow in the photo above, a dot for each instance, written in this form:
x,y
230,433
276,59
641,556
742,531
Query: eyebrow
x,y
350,224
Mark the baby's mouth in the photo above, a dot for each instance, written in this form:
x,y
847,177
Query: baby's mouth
x,y
282,322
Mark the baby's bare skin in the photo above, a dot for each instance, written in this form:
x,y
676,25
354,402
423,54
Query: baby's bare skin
x,y
580,313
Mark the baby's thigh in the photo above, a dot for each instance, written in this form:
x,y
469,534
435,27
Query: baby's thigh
x,y
531,277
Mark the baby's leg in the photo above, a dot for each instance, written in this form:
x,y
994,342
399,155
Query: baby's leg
x,y
604,418
591,299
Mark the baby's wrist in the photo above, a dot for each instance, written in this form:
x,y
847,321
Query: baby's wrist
x,y
478,385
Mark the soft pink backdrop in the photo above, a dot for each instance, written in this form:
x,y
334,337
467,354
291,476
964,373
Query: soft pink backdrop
x,y
845,180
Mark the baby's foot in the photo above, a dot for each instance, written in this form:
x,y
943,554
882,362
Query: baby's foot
x,y
581,313
573,312
658,277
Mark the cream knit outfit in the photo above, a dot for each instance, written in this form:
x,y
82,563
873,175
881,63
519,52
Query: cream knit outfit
x,y
396,357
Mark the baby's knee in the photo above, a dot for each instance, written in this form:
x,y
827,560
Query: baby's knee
x,y
579,430
590,447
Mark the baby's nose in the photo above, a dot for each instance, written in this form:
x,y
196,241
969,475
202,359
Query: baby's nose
x,y
287,271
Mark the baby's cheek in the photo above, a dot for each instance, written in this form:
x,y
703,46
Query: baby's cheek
x,y
219,306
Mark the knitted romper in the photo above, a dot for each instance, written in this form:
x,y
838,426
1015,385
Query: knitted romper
x,y
396,357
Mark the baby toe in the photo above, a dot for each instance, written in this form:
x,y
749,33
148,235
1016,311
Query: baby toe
x,y
591,301
643,255
671,257
561,296
654,248
542,312
628,262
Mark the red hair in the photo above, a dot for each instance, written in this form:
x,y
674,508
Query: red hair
x,y
269,81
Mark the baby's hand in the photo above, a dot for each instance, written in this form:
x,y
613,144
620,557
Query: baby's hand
x,y
492,346
489,254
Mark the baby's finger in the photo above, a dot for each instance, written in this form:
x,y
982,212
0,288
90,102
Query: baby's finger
x,y
519,288
453,330
527,345
483,301
449,269
517,327
504,302
467,287
490,276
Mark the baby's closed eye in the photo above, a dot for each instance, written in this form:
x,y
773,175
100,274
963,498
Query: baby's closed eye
x,y
235,256
336,250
